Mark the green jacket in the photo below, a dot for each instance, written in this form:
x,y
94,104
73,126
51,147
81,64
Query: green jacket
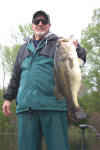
x,y
36,89
32,83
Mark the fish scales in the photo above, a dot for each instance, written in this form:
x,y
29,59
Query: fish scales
x,y
68,76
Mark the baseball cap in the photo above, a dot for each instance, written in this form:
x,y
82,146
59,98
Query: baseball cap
x,y
42,13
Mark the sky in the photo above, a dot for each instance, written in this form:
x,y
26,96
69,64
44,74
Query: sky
x,y
67,16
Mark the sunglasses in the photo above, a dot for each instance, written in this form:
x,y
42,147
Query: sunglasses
x,y
37,21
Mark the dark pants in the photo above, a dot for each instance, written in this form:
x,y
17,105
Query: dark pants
x,y
52,125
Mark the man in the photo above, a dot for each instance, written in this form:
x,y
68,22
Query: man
x,y
40,113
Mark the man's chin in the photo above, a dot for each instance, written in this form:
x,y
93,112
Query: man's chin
x,y
40,35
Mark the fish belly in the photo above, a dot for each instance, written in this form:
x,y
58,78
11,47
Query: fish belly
x,y
73,82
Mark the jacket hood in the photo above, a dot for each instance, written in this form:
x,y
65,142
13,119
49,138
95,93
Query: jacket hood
x,y
50,36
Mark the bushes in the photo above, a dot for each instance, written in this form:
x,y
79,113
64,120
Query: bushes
x,y
7,123
91,102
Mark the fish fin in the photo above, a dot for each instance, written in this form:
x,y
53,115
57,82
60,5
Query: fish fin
x,y
83,90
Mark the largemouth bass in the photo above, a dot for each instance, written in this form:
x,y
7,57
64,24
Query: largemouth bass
x,y
68,76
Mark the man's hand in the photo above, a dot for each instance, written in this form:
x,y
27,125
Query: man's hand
x,y
6,107
75,42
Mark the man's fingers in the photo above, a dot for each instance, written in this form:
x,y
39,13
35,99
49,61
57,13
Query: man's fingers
x,y
6,110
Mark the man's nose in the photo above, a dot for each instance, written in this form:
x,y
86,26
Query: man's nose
x,y
40,23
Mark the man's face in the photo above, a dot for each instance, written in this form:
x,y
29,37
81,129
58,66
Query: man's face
x,y
40,27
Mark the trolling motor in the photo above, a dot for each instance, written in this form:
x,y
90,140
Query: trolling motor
x,y
83,127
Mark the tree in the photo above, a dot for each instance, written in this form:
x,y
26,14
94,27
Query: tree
x,y
2,64
8,54
90,39
7,59
24,31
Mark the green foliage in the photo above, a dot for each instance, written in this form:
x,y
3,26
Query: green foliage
x,y
26,30
23,32
7,123
91,41
9,57
91,102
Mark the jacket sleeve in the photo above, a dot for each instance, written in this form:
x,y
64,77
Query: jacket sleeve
x,y
12,89
81,53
